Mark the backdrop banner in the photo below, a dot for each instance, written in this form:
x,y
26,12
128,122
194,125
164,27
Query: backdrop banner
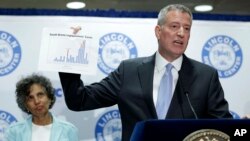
x,y
221,44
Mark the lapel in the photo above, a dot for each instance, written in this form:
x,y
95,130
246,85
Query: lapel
x,y
56,131
187,74
146,74
186,77
28,133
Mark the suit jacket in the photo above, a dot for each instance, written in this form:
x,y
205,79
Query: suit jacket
x,y
61,131
131,87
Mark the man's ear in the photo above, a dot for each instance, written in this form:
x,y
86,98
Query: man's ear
x,y
157,31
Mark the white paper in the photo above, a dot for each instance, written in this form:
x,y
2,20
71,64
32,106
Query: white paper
x,y
68,50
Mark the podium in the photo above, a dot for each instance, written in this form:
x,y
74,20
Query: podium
x,y
178,130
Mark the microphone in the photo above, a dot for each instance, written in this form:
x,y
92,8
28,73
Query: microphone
x,y
186,92
190,105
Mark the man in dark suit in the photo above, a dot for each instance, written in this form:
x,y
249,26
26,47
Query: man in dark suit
x,y
134,85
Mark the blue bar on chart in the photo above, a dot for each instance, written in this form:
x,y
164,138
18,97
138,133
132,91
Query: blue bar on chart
x,y
80,58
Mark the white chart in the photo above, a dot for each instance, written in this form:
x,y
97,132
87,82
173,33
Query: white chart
x,y
65,51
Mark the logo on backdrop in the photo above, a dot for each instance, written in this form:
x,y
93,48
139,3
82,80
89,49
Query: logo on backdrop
x,y
113,48
223,53
58,92
10,53
109,127
5,120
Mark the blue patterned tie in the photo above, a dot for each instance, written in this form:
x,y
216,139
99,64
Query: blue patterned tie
x,y
165,93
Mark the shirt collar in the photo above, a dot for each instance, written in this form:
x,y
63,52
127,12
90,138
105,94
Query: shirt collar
x,y
160,62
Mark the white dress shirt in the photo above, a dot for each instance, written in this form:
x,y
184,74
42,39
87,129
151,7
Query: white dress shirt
x,y
41,133
160,68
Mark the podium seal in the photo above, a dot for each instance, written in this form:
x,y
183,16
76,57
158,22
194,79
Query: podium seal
x,y
207,135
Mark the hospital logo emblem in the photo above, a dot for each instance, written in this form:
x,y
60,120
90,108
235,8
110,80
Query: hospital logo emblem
x,y
5,120
113,48
10,53
223,53
109,127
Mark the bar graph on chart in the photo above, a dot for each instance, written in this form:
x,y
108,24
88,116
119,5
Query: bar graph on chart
x,y
73,53
80,58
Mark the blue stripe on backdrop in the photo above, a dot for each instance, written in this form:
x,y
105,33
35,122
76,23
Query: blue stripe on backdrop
x,y
114,13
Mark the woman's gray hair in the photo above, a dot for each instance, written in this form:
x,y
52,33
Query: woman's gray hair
x,y
173,7
23,90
